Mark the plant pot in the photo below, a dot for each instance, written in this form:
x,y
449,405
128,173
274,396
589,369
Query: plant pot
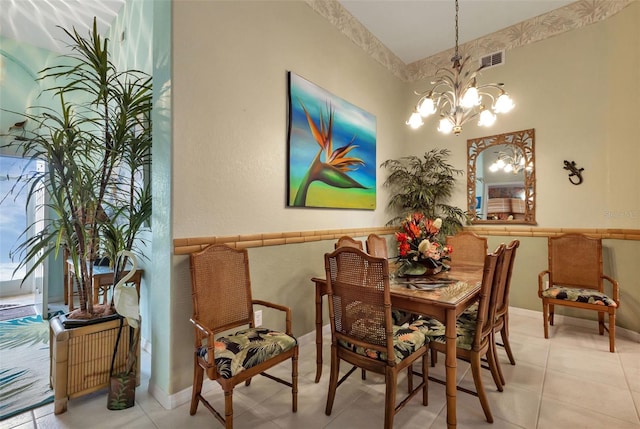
x,y
122,391
80,358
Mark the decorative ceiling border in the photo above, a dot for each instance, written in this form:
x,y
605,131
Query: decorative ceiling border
x,y
570,17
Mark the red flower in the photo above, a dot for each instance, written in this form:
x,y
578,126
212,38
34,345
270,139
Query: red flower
x,y
430,227
414,230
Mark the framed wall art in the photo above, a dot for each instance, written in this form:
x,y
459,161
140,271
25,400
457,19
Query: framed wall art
x,y
332,150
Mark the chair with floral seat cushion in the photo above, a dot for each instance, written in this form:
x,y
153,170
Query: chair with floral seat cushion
x,y
346,241
502,306
474,331
576,279
377,246
362,332
222,302
468,249
501,324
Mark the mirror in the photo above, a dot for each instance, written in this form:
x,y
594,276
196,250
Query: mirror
x,y
501,184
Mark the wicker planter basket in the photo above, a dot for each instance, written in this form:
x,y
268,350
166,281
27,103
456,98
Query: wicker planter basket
x,y
81,358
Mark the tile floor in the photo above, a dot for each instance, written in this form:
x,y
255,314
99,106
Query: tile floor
x,y
568,381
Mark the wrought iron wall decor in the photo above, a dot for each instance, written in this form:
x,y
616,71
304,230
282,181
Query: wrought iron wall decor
x,y
575,175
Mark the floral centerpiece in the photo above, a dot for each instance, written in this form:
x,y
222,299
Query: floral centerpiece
x,y
420,246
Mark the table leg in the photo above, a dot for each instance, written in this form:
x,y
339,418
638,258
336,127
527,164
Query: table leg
x,y
318,332
450,364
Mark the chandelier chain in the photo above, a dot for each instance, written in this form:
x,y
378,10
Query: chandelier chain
x,y
456,56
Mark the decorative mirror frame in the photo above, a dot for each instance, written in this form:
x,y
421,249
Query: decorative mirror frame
x,y
525,141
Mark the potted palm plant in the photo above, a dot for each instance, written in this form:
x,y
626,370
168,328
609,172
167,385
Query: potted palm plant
x,y
420,188
97,149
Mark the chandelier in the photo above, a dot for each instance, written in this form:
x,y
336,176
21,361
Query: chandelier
x,y
458,97
510,163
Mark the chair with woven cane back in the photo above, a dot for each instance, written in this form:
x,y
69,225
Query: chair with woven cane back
x,y
377,246
346,241
362,331
576,279
502,307
474,331
222,302
468,249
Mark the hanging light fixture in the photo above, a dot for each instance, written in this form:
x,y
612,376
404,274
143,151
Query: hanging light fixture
x,y
510,162
458,97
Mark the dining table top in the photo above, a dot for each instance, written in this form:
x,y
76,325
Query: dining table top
x,y
445,288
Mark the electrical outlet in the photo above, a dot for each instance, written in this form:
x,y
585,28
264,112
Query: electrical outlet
x,y
257,318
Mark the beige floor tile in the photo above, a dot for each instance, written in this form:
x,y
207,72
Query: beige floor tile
x,y
568,380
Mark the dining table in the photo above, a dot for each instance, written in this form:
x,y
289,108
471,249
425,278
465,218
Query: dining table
x,y
443,296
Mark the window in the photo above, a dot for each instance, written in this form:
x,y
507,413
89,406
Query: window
x,y
14,219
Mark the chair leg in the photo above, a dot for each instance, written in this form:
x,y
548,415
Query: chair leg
x,y
498,367
333,380
198,376
228,408
545,318
504,334
425,377
294,381
434,357
551,312
494,365
477,379
391,380
601,322
410,378
612,332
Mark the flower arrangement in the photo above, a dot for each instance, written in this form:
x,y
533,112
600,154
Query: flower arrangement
x,y
420,246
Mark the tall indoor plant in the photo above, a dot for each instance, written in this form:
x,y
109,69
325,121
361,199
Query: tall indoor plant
x,y
97,148
423,185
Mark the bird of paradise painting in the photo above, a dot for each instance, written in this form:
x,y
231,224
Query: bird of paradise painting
x,y
332,150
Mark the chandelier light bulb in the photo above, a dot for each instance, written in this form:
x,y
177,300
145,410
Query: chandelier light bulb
x,y
508,168
504,103
487,118
426,107
471,98
415,121
500,163
493,167
446,126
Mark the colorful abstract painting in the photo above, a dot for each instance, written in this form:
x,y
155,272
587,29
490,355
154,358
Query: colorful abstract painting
x,y
332,150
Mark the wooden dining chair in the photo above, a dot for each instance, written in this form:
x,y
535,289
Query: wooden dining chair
x,y
377,246
468,249
575,279
502,286
474,331
346,241
502,306
221,293
362,332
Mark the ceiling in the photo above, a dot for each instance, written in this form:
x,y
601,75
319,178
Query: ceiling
x,y
35,21
417,29
412,29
